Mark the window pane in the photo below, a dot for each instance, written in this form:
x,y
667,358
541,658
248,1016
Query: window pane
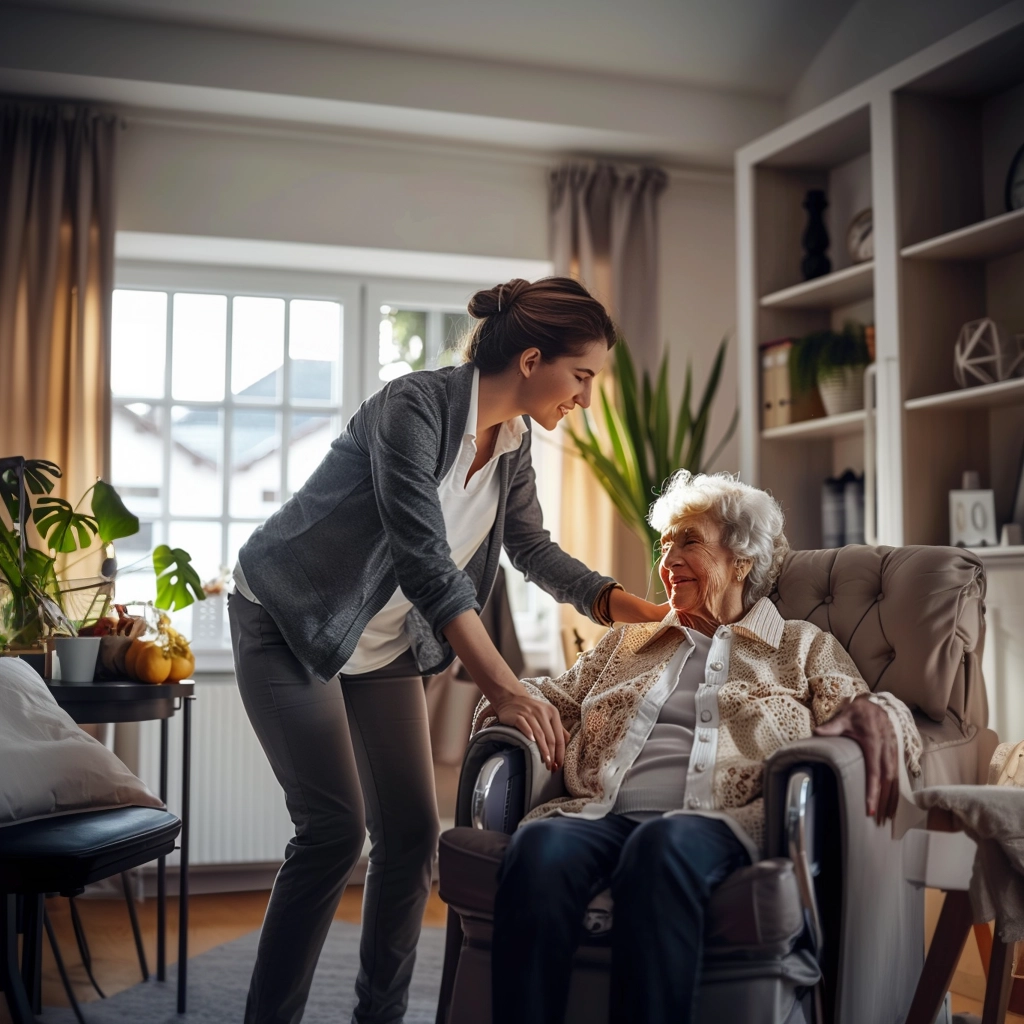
x,y
197,444
203,542
255,462
257,346
314,346
455,328
136,581
200,328
138,343
402,341
136,453
238,534
310,438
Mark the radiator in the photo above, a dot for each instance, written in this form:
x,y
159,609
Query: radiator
x,y
238,812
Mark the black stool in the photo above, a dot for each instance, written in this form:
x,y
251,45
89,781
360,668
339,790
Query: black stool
x,y
62,854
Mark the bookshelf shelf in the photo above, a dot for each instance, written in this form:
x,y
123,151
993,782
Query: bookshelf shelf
x,y
817,429
838,289
986,240
1011,551
984,396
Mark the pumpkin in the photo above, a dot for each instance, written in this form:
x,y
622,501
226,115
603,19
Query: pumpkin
x,y
132,656
182,666
153,664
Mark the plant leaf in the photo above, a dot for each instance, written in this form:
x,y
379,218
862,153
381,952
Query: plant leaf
x,y
61,526
112,517
694,458
684,423
36,473
660,428
175,578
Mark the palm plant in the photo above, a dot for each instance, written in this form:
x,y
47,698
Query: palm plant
x,y
639,447
34,598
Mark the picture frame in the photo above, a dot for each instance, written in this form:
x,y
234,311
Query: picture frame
x,y
972,519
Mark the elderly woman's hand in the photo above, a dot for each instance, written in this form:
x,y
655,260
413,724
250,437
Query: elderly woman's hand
x,y
869,725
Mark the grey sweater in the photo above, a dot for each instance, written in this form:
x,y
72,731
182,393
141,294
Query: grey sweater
x,y
369,520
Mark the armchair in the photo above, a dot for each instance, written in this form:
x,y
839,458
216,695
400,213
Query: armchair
x,y
829,904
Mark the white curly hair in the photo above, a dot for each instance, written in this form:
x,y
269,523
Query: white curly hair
x,y
751,521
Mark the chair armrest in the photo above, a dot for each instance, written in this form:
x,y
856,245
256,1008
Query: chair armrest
x,y
518,758
868,911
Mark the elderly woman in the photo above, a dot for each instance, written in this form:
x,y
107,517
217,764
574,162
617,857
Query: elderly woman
x,y
671,724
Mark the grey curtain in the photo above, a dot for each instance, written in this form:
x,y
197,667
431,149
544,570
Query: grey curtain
x,y
56,279
604,230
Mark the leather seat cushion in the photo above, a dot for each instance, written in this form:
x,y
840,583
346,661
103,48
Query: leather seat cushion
x,y
755,908
67,851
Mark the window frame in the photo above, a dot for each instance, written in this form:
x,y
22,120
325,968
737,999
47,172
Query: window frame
x,y
360,298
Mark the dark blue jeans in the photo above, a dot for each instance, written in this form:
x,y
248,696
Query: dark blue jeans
x,y
661,874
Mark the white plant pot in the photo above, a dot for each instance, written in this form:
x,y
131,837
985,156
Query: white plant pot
x,y
74,658
842,390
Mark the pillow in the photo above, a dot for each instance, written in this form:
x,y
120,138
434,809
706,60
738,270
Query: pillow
x,y
47,764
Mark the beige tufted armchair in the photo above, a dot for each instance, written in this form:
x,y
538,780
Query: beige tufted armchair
x,y
825,929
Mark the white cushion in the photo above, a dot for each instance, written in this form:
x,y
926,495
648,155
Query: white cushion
x,y
47,764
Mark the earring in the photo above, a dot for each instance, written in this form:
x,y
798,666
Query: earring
x,y
739,577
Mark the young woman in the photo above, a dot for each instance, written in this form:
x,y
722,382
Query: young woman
x,y
377,569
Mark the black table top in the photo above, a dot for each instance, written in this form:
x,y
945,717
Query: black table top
x,y
119,700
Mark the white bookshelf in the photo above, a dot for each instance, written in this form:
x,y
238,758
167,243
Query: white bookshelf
x,y
840,288
927,145
819,428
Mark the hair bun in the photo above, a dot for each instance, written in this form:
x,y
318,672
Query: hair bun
x,y
498,299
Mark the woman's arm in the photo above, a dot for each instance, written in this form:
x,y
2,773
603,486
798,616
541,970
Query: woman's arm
x,y
536,719
542,561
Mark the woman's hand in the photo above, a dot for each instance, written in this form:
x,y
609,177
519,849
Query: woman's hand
x,y
626,607
507,697
536,720
869,725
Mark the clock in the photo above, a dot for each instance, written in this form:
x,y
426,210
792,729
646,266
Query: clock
x,y
860,237
1015,182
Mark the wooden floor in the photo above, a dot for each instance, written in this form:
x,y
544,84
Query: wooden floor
x,y
219,918
213,920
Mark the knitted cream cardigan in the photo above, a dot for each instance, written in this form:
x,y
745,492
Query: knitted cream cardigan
x,y
784,677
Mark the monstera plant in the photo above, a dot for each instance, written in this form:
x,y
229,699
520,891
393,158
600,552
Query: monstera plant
x,y
637,444
39,593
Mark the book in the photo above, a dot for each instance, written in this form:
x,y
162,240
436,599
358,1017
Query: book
x,y
775,392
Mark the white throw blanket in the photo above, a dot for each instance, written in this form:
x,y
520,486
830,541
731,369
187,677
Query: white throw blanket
x,y
993,816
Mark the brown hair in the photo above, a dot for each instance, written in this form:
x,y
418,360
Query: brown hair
x,y
555,314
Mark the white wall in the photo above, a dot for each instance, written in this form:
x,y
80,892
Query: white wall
x,y
330,189
698,293
402,194
873,36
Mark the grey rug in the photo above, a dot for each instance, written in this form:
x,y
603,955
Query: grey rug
x,y
218,981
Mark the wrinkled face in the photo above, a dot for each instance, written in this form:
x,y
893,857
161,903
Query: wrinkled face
x,y
696,568
553,389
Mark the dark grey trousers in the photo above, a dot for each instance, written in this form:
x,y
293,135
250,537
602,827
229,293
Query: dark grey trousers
x,y
350,755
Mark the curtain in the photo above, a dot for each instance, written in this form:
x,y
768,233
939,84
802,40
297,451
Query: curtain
x,y
604,231
56,280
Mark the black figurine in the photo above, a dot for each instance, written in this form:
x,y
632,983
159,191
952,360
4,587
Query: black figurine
x,y
815,240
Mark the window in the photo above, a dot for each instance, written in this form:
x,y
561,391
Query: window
x,y
228,386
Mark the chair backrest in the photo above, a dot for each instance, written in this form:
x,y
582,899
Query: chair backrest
x,y
912,619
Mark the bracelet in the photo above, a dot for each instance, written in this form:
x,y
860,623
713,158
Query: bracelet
x,y
601,608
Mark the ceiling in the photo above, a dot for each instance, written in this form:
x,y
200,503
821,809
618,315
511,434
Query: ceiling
x,y
747,46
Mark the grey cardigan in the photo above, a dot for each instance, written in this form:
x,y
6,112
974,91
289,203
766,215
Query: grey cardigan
x,y
369,520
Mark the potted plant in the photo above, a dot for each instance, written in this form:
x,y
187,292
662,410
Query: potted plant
x,y
637,446
41,597
834,363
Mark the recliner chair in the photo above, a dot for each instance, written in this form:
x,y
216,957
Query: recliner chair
x,y
825,929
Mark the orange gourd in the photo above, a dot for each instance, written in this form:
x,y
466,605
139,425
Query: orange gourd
x,y
153,664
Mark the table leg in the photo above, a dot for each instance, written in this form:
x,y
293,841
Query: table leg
x,y
997,991
947,944
161,871
186,773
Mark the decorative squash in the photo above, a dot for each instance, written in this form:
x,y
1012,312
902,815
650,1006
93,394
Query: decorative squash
x,y
153,664
182,666
132,656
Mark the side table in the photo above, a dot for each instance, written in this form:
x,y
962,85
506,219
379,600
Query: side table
x,y
129,701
